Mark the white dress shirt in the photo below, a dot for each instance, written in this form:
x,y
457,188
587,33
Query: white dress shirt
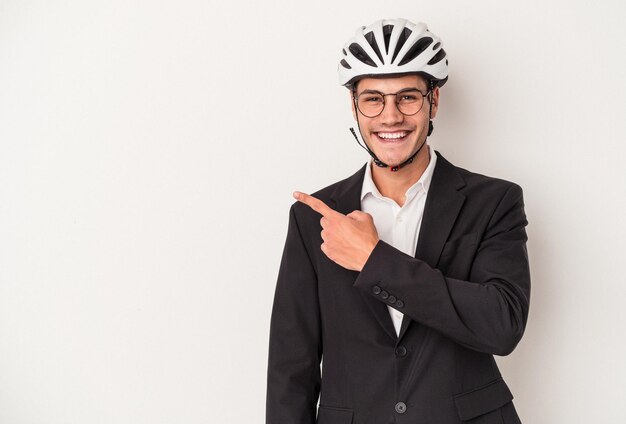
x,y
398,226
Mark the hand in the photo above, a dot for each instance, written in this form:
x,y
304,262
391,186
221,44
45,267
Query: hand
x,y
348,239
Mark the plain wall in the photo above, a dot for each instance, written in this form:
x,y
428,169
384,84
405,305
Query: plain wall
x,y
148,152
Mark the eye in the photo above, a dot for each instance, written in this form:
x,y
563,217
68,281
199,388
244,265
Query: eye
x,y
372,98
409,97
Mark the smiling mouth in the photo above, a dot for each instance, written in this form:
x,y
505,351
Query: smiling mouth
x,y
391,137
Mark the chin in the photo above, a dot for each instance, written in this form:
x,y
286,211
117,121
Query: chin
x,y
397,158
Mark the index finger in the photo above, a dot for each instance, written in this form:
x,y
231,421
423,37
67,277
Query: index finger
x,y
316,204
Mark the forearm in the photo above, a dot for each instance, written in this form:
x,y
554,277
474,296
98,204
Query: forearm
x,y
488,316
485,308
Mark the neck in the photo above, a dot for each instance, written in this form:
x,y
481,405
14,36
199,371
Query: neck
x,y
395,184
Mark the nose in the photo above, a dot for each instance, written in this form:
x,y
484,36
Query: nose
x,y
391,115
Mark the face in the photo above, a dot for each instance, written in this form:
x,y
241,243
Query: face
x,y
393,136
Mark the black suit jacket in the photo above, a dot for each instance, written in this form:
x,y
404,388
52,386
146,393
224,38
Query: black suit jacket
x,y
464,295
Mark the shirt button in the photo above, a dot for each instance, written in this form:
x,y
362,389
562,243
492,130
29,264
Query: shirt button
x,y
384,294
401,351
400,407
376,290
399,219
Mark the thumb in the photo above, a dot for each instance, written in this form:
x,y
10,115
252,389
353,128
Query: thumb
x,y
360,216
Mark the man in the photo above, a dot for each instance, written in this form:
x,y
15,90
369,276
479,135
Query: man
x,y
404,279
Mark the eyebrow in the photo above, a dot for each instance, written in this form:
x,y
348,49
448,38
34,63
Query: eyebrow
x,y
399,91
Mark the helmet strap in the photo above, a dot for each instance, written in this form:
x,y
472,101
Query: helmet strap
x,y
430,108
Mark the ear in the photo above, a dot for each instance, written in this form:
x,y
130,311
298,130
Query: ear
x,y
435,107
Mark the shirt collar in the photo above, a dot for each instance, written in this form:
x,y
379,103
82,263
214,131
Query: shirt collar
x,y
422,183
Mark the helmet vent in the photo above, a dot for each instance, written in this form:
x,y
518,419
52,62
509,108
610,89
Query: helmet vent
x,y
436,46
416,49
387,29
437,58
360,54
371,39
401,40
345,64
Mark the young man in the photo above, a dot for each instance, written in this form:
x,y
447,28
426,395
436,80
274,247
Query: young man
x,y
405,278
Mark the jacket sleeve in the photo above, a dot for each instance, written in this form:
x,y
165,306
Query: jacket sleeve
x,y
295,346
488,312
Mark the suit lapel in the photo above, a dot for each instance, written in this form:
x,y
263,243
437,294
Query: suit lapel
x,y
442,207
443,204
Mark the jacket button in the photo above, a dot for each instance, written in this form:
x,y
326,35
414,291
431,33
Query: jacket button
x,y
399,303
384,294
400,407
392,299
376,289
401,351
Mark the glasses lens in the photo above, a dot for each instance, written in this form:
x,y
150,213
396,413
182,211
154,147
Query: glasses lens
x,y
409,102
370,104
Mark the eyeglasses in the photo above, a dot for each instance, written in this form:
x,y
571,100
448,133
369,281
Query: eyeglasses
x,y
371,103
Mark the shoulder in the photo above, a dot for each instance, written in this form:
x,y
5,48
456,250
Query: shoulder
x,y
483,186
488,200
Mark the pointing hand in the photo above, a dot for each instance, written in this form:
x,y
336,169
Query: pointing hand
x,y
348,239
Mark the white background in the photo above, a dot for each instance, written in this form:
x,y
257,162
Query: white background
x,y
148,152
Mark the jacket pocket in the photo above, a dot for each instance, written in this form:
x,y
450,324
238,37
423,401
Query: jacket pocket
x,y
482,400
334,415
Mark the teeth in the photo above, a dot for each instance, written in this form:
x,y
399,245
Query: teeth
x,y
392,135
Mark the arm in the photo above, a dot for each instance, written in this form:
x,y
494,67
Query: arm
x,y
486,313
295,346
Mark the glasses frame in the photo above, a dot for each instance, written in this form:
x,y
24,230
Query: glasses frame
x,y
404,90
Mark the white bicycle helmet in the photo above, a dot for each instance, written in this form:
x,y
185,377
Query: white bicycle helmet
x,y
393,47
